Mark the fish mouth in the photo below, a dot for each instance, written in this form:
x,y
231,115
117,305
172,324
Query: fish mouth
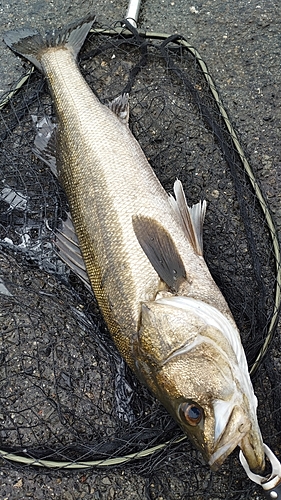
x,y
220,455
242,432
253,450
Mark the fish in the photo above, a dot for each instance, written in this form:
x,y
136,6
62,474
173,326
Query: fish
x,y
143,253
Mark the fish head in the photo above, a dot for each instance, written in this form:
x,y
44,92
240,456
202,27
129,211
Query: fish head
x,y
193,369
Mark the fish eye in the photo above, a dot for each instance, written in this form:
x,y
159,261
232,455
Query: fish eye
x,y
191,413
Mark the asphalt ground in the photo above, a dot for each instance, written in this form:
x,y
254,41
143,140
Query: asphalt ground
x,y
240,41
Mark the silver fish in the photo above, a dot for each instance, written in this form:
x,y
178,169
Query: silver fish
x,y
143,253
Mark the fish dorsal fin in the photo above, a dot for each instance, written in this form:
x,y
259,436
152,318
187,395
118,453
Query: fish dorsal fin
x,y
45,142
69,250
120,107
161,251
192,218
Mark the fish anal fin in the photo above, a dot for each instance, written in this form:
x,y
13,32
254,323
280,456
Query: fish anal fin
x,y
160,250
45,142
192,218
120,107
69,251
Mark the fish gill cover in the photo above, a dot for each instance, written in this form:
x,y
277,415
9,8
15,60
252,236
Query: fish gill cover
x,y
66,397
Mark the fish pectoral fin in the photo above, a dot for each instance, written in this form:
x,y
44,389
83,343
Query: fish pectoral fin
x,y
120,107
192,218
161,251
69,250
45,142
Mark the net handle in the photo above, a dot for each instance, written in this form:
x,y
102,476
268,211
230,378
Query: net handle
x,y
132,13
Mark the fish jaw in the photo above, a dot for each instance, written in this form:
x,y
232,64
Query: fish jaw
x,y
243,432
251,446
187,362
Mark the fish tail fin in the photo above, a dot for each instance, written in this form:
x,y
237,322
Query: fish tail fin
x,y
31,44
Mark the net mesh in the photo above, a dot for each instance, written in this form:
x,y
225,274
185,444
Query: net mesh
x,y
66,396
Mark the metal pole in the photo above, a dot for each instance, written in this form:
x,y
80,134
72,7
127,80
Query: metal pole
x,y
132,13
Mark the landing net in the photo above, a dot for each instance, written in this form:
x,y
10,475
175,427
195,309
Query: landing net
x,y
67,400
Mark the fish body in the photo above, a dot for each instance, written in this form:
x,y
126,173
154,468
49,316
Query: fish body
x,y
143,253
